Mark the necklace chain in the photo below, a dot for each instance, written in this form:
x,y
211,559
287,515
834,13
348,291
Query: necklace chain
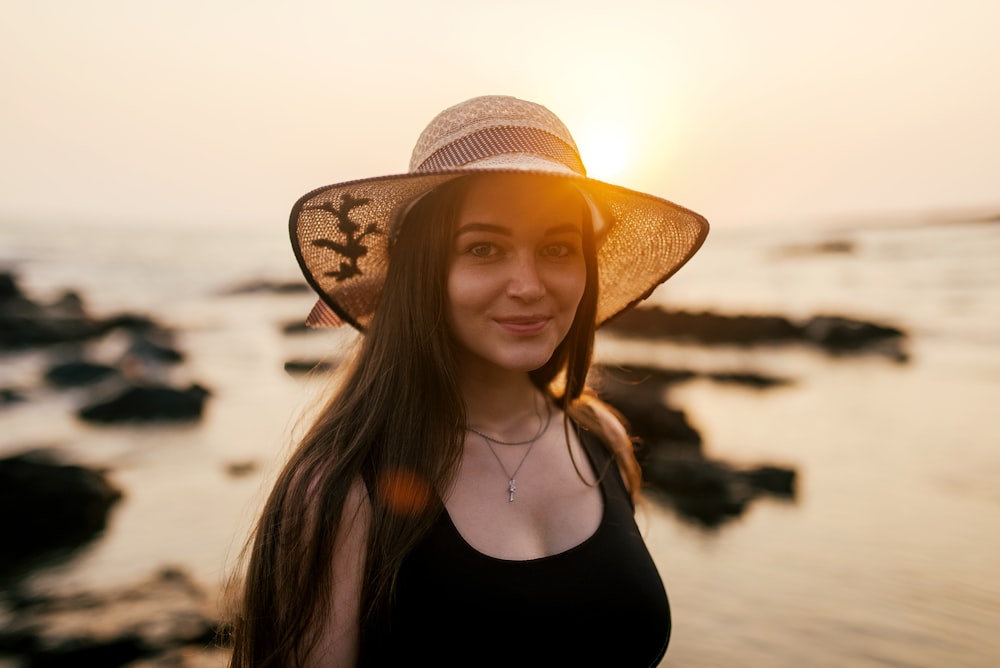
x,y
489,440
542,426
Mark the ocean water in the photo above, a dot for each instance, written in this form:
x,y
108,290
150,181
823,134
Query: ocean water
x,y
889,555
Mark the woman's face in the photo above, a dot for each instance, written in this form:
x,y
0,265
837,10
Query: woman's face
x,y
516,272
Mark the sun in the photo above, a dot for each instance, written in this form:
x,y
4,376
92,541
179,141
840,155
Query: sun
x,y
606,149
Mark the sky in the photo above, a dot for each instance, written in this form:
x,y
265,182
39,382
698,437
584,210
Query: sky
x,y
224,112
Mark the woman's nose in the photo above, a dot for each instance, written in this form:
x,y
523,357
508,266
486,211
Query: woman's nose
x,y
525,283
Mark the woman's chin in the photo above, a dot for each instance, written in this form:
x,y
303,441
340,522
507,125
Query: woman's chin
x,y
526,363
520,363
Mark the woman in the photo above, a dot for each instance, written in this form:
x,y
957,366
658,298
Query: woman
x,y
463,499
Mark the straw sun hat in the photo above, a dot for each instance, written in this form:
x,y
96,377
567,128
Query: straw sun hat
x,y
342,233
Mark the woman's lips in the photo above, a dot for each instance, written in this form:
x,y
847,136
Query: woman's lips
x,y
523,325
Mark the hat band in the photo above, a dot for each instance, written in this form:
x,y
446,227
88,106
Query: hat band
x,y
502,140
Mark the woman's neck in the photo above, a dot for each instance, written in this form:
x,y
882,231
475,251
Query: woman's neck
x,y
504,407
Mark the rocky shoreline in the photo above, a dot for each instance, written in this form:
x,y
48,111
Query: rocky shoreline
x,y
166,620
832,334
703,490
169,620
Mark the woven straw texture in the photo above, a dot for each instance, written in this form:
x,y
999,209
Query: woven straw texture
x,y
483,114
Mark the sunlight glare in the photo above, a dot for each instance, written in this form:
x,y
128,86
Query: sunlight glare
x,y
606,149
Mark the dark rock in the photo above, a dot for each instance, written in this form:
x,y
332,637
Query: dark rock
x,y
25,323
11,395
149,403
78,373
9,290
705,328
240,469
656,425
272,287
704,491
299,367
828,247
701,490
710,511
690,476
770,479
131,322
297,327
638,393
154,347
754,380
710,492
844,335
47,504
656,379
114,628
833,334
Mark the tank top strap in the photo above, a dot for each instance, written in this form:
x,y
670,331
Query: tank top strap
x,y
605,466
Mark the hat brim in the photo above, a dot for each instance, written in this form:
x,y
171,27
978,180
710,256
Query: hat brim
x,y
341,236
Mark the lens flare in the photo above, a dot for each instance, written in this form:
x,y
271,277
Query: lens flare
x,y
404,492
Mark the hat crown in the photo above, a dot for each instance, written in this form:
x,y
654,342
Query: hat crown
x,y
480,114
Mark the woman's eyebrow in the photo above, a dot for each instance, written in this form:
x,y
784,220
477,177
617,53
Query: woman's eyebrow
x,y
565,228
483,227
555,230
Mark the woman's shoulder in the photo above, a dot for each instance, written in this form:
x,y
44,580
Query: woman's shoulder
x,y
596,415
608,424
611,422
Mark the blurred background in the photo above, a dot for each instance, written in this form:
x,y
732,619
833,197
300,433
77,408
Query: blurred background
x,y
847,156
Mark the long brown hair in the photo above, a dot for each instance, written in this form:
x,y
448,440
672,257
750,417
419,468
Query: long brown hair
x,y
397,412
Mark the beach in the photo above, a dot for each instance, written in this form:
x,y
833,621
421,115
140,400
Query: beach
x,y
885,555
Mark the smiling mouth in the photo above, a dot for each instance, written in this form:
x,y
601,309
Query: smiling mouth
x,y
523,326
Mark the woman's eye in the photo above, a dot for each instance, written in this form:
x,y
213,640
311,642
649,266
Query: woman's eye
x,y
557,250
481,250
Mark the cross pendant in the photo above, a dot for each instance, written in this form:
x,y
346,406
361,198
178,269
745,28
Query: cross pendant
x,y
511,488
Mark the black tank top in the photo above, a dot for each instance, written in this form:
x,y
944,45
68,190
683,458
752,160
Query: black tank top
x,y
601,603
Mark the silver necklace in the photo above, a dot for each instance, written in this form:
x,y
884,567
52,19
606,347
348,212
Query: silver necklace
x,y
542,426
511,477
